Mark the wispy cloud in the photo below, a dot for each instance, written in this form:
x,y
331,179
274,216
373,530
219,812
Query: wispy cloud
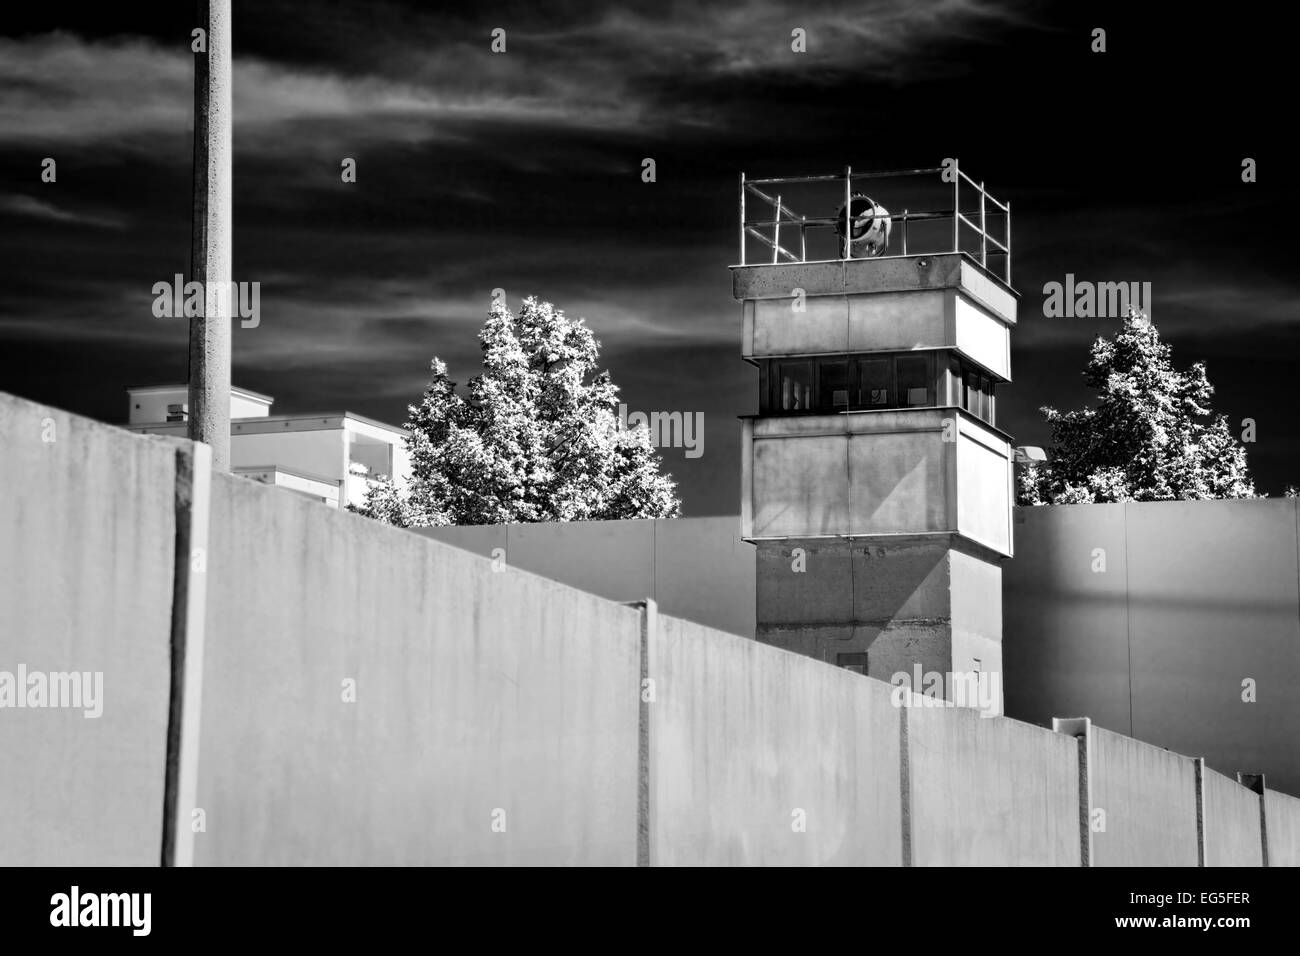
x,y
29,207
617,70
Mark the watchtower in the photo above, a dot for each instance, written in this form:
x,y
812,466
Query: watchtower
x,y
876,485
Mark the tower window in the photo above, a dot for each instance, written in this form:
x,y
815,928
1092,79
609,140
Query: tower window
x,y
794,386
841,383
875,383
915,380
833,385
977,394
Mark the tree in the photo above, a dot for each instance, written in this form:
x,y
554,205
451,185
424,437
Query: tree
x,y
1152,436
536,438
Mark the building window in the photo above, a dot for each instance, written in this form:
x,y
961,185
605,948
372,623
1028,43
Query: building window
x,y
977,394
875,383
794,386
915,380
176,413
849,383
833,384
852,662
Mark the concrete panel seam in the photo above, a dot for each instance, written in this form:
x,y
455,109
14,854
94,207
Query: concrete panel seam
x,y
193,498
1080,728
649,622
905,786
1255,783
1201,854
1128,619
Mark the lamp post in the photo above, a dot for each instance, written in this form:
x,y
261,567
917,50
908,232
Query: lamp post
x,y
210,253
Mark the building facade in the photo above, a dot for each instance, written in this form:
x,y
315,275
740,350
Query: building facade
x,y
330,457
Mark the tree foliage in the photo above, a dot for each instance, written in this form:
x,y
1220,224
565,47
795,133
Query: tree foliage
x,y
1151,437
535,438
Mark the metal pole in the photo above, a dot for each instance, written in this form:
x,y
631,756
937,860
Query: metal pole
x,y
904,232
803,241
776,230
984,234
956,207
742,217
1008,242
209,372
848,211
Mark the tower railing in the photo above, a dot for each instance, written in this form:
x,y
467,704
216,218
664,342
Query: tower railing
x,y
777,218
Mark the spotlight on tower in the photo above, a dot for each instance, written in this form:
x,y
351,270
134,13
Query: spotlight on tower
x,y
869,234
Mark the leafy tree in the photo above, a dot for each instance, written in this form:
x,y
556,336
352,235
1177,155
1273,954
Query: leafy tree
x,y
1151,437
536,438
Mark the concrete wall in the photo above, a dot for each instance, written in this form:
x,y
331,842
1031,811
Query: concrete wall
x,y
747,742
1148,798
875,276
980,335
1232,821
1196,612
476,692
976,602
86,562
868,473
1283,812
989,791
900,602
876,473
482,697
694,568
984,484
844,323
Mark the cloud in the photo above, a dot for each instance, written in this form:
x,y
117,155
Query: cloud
x,y
30,208
60,89
621,70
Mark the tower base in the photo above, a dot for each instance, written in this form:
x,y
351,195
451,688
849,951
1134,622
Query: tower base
x,y
916,606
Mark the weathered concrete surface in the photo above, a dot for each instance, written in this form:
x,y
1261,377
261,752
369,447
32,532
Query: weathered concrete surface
x,y
1283,813
845,323
1065,626
479,691
1200,596
828,597
704,572
868,473
893,472
1148,798
482,698
1213,603
694,568
746,741
86,541
1232,835
901,601
878,276
990,791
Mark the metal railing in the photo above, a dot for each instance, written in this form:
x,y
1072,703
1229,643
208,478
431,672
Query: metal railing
x,y
779,214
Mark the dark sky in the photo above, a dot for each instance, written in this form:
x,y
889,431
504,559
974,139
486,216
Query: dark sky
x,y
522,171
